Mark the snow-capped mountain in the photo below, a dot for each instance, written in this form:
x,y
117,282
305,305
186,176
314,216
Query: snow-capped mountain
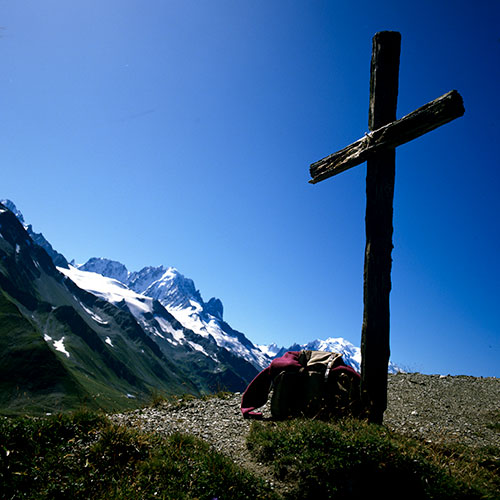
x,y
350,353
71,336
108,268
155,320
63,347
167,285
98,332
272,350
144,309
180,297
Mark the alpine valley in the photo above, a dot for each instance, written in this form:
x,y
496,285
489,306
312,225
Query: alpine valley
x,y
100,336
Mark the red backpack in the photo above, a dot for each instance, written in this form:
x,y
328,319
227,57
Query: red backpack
x,y
313,384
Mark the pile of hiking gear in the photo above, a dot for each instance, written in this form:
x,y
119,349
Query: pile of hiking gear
x,y
312,384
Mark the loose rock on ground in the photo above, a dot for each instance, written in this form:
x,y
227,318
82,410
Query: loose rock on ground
x,y
450,409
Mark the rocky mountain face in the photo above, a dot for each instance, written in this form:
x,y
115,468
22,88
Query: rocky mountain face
x,y
107,346
38,238
180,297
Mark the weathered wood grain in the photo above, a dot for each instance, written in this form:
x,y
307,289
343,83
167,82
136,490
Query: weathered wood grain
x,y
380,176
432,115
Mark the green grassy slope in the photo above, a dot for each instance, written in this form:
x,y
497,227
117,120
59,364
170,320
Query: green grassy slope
x,y
32,377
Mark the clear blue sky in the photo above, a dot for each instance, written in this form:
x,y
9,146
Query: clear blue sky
x,y
180,132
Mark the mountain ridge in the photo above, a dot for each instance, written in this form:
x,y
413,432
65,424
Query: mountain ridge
x,y
148,330
350,353
183,300
90,349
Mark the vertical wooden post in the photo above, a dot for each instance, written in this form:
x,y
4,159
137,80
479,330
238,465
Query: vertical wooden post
x,y
375,349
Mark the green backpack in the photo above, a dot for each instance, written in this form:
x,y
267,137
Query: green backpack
x,y
324,387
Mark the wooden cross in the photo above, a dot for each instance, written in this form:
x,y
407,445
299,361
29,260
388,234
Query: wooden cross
x,y
378,149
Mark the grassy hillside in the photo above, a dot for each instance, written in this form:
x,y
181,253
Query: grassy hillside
x,y
84,455
31,375
35,379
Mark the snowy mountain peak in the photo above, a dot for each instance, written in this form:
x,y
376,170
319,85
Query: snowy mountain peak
x,y
106,267
350,353
141,280
271,350
181,298
170,288
165,284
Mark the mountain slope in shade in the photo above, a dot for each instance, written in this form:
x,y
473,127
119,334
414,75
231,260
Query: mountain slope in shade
x,y
69,347
182,300
61,346
38,238
210,365
350,353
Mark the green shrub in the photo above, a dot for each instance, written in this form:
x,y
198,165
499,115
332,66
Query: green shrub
x,y
83,456
352,459
36,454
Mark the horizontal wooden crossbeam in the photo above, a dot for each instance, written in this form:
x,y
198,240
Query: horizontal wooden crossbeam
x,y
432,115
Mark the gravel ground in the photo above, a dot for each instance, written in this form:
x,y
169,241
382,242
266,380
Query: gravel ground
x,y
444,408
431,407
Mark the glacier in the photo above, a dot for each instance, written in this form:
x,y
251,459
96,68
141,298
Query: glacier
x,y
176,293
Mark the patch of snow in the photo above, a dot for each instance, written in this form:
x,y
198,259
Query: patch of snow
x,y
109,289
196,306
178,335
93,315
198,347
108,341
187,319
59,346
156,333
